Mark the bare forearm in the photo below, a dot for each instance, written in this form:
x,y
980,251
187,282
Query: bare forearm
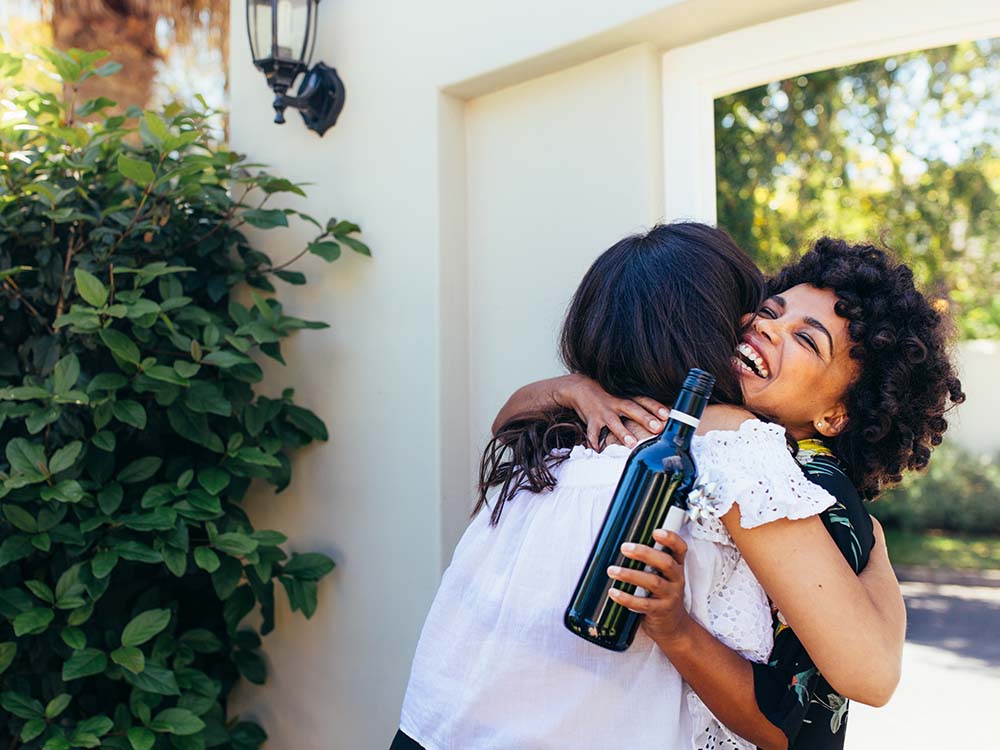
x,y
537,396
724,681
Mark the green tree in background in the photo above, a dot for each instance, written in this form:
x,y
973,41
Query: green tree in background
x,y
905,150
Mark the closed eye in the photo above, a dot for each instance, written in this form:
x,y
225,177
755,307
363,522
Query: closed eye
x,y
809,342
768,312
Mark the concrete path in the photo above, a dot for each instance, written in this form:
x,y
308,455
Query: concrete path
x,y
950,689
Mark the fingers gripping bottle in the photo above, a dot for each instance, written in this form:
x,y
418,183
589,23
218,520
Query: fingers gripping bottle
x,y
651,494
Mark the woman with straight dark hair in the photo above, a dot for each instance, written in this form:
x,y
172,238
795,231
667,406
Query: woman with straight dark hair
x,y
496,669
886,422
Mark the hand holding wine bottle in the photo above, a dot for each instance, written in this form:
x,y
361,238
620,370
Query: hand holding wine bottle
x,y
663,580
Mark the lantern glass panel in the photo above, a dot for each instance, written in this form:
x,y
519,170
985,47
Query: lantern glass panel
x,y
259,25
293,26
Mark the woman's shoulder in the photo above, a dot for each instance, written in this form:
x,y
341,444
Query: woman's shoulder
x,y
724,417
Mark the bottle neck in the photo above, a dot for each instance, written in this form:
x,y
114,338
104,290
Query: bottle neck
x,y
684,417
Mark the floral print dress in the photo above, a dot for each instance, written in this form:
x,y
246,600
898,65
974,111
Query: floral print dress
x,y
790,691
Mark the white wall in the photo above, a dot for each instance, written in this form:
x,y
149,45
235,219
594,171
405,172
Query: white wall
x,y
559,168
974,424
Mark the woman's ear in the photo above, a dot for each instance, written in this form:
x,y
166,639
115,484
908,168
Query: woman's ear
x,y
833,422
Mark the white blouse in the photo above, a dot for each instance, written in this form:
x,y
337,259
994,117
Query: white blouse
x,y
495,669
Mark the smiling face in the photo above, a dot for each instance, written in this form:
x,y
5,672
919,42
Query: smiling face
x,y
795,364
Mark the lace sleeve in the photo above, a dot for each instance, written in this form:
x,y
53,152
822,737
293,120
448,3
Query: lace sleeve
x,y
752,466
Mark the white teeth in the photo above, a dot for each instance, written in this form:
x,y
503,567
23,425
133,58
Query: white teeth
x,y
758,362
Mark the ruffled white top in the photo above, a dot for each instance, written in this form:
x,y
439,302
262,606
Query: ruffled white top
x,y
495,669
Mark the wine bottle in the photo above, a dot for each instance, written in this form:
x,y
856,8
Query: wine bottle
x,y
651,494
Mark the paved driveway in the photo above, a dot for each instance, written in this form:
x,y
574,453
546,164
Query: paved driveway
x,y
950,688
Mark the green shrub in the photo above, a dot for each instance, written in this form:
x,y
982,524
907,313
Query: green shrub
x,y
130,423
958,492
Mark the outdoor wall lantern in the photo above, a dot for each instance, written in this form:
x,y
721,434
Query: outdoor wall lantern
x,y
282,38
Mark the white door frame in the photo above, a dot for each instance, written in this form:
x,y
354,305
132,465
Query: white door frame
x,y
695,75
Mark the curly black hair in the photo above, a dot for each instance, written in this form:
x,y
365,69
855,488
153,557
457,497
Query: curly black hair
x,y
896,407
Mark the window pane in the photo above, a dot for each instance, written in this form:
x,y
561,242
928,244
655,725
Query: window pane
x,y
905,149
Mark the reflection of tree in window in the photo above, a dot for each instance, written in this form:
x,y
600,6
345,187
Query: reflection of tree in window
x,y
906,149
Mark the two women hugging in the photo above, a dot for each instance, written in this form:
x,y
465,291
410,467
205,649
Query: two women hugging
x,y
764,616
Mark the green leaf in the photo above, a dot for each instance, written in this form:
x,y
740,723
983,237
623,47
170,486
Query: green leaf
x,y
20,518
207,398
74,638
32,729
33,622
130,413
107,381
310,566
138,171
65,457
141,738
83,663
356,245
206,559
234,543
28,393
8,650
15,548
120,344
105,440
326,249
66,491
66,373
226,359
140,470
265,218
57,705
227,577
252,455
108,69
110,498
39,589
103,563
27,459
306,421
22,706
202,640
154,679
56,743
144,626
268,538
137,552
177,721
130,658
291,277
213,480
156,125
166,375
251,666
175,560
90,288
95,725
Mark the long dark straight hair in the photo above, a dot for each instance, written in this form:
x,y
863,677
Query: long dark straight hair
x,y
650,308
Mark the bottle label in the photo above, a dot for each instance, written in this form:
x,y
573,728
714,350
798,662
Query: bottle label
x,y
676,517
684,418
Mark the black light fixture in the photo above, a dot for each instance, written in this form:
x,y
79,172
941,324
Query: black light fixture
x,y
282,38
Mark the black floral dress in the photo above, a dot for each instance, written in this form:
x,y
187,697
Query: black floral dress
x,y
790,691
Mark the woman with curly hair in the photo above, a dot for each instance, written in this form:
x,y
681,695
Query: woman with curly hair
x,y
857,443
495,668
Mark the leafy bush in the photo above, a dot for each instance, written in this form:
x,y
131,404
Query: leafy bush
x,y
958,492
130,423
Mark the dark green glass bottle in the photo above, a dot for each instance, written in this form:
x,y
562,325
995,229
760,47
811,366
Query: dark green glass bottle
x,y
651,494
